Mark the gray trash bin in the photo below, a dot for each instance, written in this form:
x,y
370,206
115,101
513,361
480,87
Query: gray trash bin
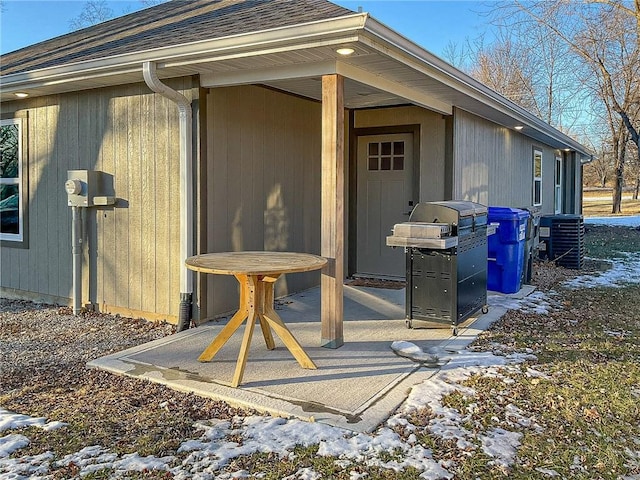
x,y
531,241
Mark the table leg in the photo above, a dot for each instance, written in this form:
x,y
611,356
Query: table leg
x,y
255,299
287,338
266,285
233,324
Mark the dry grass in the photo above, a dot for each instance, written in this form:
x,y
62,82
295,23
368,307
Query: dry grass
x,y
588,348
595,204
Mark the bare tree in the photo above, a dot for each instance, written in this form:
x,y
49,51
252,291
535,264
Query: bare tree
x,y
504,66
527,66
597,172
97,11
94,11
605,36
634,171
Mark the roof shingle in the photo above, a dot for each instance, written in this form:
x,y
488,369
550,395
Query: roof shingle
x,y
173,23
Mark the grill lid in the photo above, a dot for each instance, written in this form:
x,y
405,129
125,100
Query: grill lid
x,y
446,212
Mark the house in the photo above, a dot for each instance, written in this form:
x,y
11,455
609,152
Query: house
x,y
248,125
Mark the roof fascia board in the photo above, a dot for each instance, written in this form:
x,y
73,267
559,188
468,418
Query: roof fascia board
x,y
79,77
380,37
414,96
207,50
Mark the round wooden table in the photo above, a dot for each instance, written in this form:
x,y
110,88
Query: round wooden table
x,y
256,272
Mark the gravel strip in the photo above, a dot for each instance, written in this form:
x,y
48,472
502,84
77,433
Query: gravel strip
x,y
43,354
38,338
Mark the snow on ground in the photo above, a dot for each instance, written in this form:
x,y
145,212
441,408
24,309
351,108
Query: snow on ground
x,y
208,454
621,221
537,302
205,457
10,420
623,271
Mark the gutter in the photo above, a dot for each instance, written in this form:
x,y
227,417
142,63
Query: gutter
x,y
186,187
255,43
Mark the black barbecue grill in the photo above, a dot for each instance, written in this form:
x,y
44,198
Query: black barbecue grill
x,y
446,258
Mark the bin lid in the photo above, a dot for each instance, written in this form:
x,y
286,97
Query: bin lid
x,y
507,213
534,211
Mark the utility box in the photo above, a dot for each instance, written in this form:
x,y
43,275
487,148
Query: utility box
x,y
562,240
88,188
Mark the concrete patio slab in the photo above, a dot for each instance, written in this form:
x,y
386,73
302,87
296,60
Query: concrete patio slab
x,y
356,386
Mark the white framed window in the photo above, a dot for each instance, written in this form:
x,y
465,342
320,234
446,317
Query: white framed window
x,y
558,185
537,177
12,181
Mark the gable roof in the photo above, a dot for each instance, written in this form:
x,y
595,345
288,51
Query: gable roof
x,y
168,24
284,44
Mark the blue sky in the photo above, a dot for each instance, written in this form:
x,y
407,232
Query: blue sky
x,y
430,23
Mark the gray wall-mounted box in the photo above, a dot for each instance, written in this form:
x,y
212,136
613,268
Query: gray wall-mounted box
x,y
84,186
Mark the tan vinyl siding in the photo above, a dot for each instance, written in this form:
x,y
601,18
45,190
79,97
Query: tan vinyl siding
x,y
432,143
131,252
493,165
263,182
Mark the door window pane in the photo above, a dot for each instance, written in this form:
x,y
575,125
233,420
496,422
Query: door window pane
x,y
386,156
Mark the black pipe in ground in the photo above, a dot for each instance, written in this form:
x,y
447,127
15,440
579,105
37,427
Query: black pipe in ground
x,y
184,312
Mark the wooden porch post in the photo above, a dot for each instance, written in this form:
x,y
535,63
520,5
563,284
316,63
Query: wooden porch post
x,y
332,223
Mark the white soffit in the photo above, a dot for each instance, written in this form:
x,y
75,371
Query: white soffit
x,y
292,78
383,83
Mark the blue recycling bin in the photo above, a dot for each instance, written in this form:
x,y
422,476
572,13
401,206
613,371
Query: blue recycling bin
x,y
506,249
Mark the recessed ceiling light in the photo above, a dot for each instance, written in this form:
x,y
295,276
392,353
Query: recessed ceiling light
x,y
345,51
518,127
21,94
